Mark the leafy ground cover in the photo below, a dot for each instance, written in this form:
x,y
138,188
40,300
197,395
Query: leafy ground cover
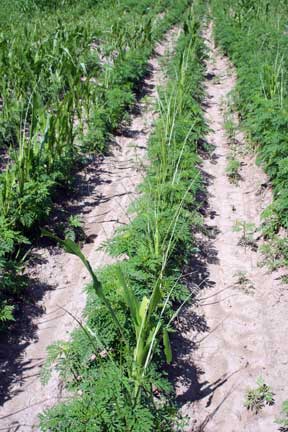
x,y
254,35
114,362
68,75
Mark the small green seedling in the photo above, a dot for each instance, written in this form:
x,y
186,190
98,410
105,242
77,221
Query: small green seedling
x,y
247,230
283,420
230,128
74,230
232,170
257,398
244,283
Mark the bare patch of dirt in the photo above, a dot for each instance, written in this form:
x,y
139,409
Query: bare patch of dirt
x,y
106,188
240,323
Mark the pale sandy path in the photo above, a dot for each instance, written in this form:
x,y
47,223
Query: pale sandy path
x,y
104,208
247,333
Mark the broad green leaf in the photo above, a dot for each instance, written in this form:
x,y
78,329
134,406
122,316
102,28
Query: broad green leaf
x,y
129,296
143,308
167,346
155,298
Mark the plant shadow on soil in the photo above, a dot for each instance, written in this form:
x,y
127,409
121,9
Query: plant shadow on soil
x,y
80,200
23,331
18,337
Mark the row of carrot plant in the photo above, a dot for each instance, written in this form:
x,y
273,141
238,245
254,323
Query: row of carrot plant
x,y
114,363
254,35
68,74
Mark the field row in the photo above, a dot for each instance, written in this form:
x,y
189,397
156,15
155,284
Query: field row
x,y
132,305
66,84
254,36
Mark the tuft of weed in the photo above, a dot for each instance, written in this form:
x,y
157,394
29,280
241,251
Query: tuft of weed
x,y
247,230
232,170
283,419
244,283
257,398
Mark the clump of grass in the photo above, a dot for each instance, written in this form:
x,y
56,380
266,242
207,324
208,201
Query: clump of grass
x,y
232,170
233,163
244,283
230,128
247,230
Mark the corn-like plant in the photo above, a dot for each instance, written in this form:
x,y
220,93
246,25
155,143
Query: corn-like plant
x,y
144,293
66,84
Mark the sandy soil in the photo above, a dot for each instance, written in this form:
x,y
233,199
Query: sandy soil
x,y
106,190
237,333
